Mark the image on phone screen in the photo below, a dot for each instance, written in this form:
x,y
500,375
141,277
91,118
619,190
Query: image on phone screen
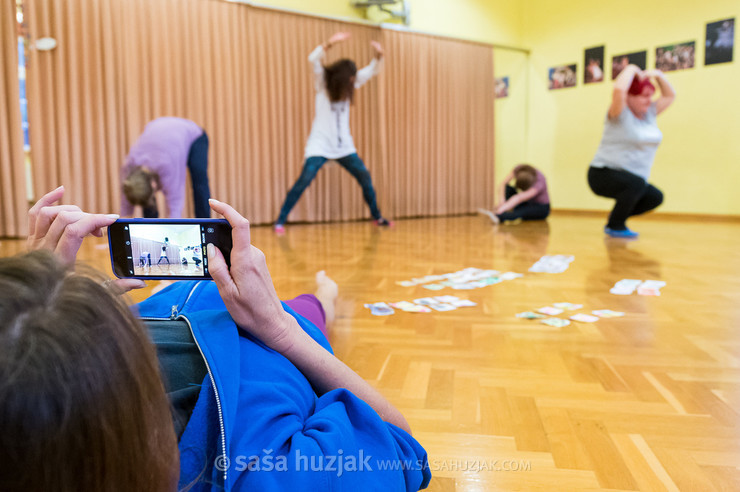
x,y
165,249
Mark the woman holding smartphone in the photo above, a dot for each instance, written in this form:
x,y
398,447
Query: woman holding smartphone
x,y
255,389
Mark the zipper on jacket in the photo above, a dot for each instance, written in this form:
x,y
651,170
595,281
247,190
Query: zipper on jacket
x,y
215,392
175,316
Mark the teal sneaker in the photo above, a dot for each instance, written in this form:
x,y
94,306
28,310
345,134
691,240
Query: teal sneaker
x,y
623,233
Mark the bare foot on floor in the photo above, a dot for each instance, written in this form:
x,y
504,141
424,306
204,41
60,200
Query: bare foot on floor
x,y
326,292
494,218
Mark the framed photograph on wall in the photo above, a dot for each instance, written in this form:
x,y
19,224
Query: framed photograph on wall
x,y
562,76
675,57
593,61
720,42
502,87
620,62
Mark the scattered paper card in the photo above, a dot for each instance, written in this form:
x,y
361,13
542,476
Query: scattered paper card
x,y
650,287
510,275
469,278
556,322
448,299
552,264
530,315
625,287
410,307
463,303
607,313
434,304
380,309
434,286
585,318
451,300
628,286
550,311
567,306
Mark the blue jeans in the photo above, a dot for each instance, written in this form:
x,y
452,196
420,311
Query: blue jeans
x,y
351,163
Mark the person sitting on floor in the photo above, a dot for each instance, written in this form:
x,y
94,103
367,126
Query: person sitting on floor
x,y
526,200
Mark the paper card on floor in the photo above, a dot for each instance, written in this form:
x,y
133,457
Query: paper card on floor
x,y
410,307
650,287
441,306
463,303
552,264
530,315
585,318
451,300
448,299
434,286
653,284
644,291
510,275
621,292
406,283
550,311
433,278
380,309
607,313
625,287
436,305
568,306
468,286
556,322
479,283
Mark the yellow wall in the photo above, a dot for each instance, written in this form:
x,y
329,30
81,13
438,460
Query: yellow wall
x,y
477,20
698,164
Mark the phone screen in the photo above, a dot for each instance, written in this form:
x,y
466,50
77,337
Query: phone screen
x,y
166,248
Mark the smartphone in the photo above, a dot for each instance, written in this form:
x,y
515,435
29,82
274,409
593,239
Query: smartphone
x,y
166,249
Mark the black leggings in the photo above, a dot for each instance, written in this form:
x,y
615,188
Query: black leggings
x,y
528,210
634,195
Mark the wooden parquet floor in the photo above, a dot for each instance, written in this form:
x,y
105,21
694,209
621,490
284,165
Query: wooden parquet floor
x,y
645,402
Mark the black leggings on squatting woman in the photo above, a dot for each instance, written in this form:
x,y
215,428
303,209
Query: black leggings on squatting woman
x,y
634,195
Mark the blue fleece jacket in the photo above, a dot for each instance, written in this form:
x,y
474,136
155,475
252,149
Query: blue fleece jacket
x,y
259,425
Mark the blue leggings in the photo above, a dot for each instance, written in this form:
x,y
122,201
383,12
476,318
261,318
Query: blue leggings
x,y
351,163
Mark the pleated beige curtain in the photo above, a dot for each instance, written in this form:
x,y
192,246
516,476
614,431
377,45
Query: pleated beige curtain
x,y
438,124
13,206
242,73
120,64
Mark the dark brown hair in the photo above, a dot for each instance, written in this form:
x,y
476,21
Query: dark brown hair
x,y
137,186
82,405
525,176
340,82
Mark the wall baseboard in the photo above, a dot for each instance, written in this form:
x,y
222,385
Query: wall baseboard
x,y
652,216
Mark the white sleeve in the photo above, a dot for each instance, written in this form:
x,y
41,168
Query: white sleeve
x,y
316,58
368,72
